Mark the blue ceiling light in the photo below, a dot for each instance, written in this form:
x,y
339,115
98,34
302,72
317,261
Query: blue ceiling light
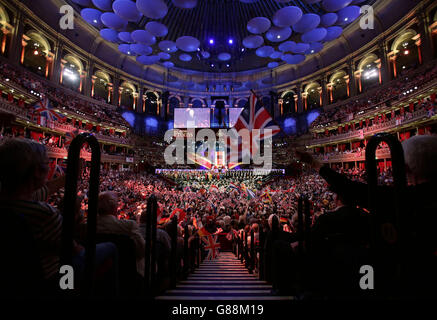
x,y
258,25
205,54
125,37
332,33
315,35
276,55
157,29
141,49
276,34
185,57
168,46
113,21
348,15
335,5
185,4
143,37
307,23
273,64
231,41
187,44
265,51
287,46
252,42
211,41
224,56
126,9
153,9
164,56
105,5
168,64
109,34
287,16
147,60
92,16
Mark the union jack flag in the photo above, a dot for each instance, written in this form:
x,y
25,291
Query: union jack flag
x,y
212,246
69,136
234,187
45,109
56,170
254,118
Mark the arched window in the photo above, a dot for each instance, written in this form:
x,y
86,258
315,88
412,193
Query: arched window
x,y
127,95
5,31
101,86
288,103
338,86
196,103
35,55
72,69
151,103
312,96
173,103
370,74
241,103
405,51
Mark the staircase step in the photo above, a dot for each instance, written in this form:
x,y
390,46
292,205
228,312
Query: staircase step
x,y
225,278
218,292
223,286
221,281
224,298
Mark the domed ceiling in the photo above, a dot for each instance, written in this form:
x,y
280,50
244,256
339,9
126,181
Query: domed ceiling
x,y
220,35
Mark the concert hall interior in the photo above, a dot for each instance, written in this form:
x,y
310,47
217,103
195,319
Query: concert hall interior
x,y
218,150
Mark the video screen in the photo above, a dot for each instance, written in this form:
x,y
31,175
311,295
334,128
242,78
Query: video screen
x,y
192,118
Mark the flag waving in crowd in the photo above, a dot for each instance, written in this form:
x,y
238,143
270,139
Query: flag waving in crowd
x,y
45,109
56,170
212,246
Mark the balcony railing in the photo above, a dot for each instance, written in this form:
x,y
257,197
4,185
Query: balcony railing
x,y
360,134
59,153
370,110
59,127
354,156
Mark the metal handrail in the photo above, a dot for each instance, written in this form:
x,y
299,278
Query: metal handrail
x,y
70,205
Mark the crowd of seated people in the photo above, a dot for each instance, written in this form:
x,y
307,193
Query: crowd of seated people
x,y
71,102
408,80
122,210
398,116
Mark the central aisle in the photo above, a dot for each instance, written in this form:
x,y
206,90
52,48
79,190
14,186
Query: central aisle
x,y
224,278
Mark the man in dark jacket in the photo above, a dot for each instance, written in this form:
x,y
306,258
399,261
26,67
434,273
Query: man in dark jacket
x,y
416,253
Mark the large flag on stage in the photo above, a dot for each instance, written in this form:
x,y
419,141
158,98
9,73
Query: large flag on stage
x,y
255,117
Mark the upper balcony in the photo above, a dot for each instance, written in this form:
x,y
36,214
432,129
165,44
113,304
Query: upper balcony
x,y
383,153
417,117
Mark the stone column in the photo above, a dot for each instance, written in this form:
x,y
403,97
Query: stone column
x,y
116,93
16,41
385,66
299,98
